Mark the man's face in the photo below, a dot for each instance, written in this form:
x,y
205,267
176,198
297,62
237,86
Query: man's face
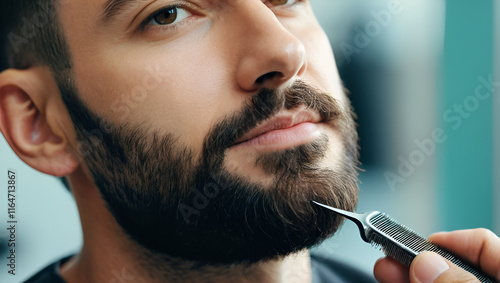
x,y
198,69
241,95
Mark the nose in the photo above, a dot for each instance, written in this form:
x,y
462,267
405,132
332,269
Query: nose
x,y
270,54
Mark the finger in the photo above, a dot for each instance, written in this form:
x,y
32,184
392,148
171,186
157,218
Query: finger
x,y
387,270
480,247
429,267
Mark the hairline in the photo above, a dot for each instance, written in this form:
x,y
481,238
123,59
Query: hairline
x,y
31,42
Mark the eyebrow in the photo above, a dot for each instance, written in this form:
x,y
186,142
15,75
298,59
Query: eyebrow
x,y
114,7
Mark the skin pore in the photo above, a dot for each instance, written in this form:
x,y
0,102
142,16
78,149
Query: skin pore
x,y
238,100
162,107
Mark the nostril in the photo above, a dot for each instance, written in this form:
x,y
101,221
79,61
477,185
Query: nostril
x,y
268,77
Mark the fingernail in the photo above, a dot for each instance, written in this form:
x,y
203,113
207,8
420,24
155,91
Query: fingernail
x,y
429,267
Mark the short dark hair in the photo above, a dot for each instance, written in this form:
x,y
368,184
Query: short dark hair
x,y
31,35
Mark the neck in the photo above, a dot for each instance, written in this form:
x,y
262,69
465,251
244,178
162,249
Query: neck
x,y
109,255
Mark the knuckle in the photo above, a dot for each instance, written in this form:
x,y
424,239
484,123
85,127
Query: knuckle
x,y
483,233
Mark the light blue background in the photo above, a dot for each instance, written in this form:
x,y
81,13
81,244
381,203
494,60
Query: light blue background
x,y
414,53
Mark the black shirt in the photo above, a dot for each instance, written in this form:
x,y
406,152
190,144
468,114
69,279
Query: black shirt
x,y
324,270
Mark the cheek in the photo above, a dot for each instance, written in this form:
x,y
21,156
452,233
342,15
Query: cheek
x,y
174,90
321,68
197,91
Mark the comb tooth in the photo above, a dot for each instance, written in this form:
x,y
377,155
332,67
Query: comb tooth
x,y
391,229
392,250
385,226
403,244
378,218
399,241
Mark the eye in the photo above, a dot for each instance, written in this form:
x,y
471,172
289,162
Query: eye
x,y
283,2
167,16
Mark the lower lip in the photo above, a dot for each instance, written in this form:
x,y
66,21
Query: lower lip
x,y
284,138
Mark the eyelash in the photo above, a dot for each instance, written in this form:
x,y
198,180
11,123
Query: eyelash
x,y
145,24
297,3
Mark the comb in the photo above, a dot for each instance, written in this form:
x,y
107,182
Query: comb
x,y
398,241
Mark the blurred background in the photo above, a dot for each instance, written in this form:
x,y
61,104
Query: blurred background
x,y
422,78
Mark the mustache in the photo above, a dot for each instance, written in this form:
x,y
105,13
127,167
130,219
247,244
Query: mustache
x,y
263,106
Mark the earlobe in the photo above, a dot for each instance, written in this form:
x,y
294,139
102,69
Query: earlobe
x,y
38,136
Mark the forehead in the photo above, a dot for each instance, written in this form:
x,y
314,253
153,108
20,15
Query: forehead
x,y
102,18
113,7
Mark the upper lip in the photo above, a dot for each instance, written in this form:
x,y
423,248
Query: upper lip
x,y
281,121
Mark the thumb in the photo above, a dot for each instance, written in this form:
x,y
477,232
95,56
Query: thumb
x,y
429,267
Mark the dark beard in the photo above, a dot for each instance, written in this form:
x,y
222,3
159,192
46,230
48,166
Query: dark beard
x,y
176,206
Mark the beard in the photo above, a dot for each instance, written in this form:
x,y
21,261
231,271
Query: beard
x,y
176,205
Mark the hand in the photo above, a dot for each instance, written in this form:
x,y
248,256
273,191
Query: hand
x,y
479,247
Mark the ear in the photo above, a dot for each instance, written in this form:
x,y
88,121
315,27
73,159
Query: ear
x,y
35,122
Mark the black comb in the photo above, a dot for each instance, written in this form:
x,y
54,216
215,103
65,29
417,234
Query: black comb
x,y
398,241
